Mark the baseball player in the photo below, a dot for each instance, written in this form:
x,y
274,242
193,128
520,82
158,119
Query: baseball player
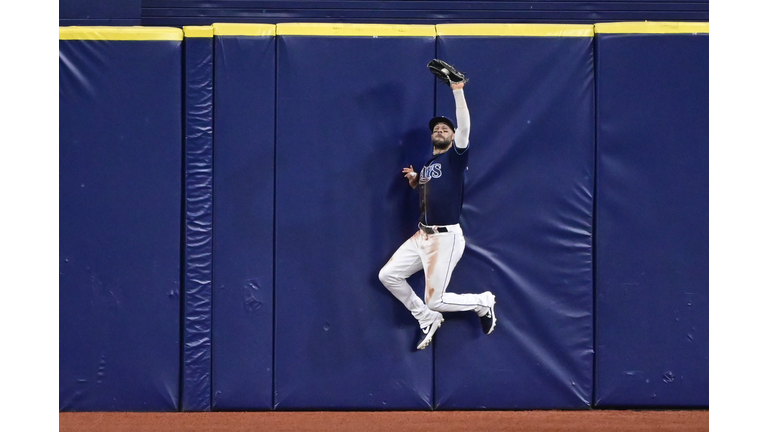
x,y
439,243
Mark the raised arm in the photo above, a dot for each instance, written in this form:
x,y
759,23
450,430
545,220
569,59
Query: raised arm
x,y
461,140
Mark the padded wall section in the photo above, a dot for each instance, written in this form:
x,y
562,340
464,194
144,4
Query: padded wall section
x,y
198,198
244,116
120,224
345,130
652,220
527,219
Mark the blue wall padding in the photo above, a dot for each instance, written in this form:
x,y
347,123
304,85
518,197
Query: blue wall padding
x,y
345,130
120,224
198,198
277,221
244,135
528,222
652,220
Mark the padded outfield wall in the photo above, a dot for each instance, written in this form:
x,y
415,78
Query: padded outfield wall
x,y
120,218
652,215
282,197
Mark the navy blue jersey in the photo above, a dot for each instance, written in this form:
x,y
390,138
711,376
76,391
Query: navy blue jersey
x,y
441,187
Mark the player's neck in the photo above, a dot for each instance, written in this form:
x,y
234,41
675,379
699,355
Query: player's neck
x,y
436,151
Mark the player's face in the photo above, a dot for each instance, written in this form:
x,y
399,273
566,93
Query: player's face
x,y
442,136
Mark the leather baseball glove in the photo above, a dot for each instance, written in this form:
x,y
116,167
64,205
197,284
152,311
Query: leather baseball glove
x,y
445,72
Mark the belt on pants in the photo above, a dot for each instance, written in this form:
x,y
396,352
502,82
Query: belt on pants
x,y
434,229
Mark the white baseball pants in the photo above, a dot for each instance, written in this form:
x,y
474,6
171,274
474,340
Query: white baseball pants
x,y
437,254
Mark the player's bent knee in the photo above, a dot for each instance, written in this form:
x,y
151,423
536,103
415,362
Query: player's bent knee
x,y
382,276
386,277
435,304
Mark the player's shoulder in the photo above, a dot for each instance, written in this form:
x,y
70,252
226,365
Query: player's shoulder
x,y
461,151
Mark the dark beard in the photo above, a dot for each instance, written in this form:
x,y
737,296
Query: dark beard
x,y
441,145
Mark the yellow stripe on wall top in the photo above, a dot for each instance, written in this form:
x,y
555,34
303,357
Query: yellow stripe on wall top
x,y
375,30
652,27
120,33
557,30
235,29
198,31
